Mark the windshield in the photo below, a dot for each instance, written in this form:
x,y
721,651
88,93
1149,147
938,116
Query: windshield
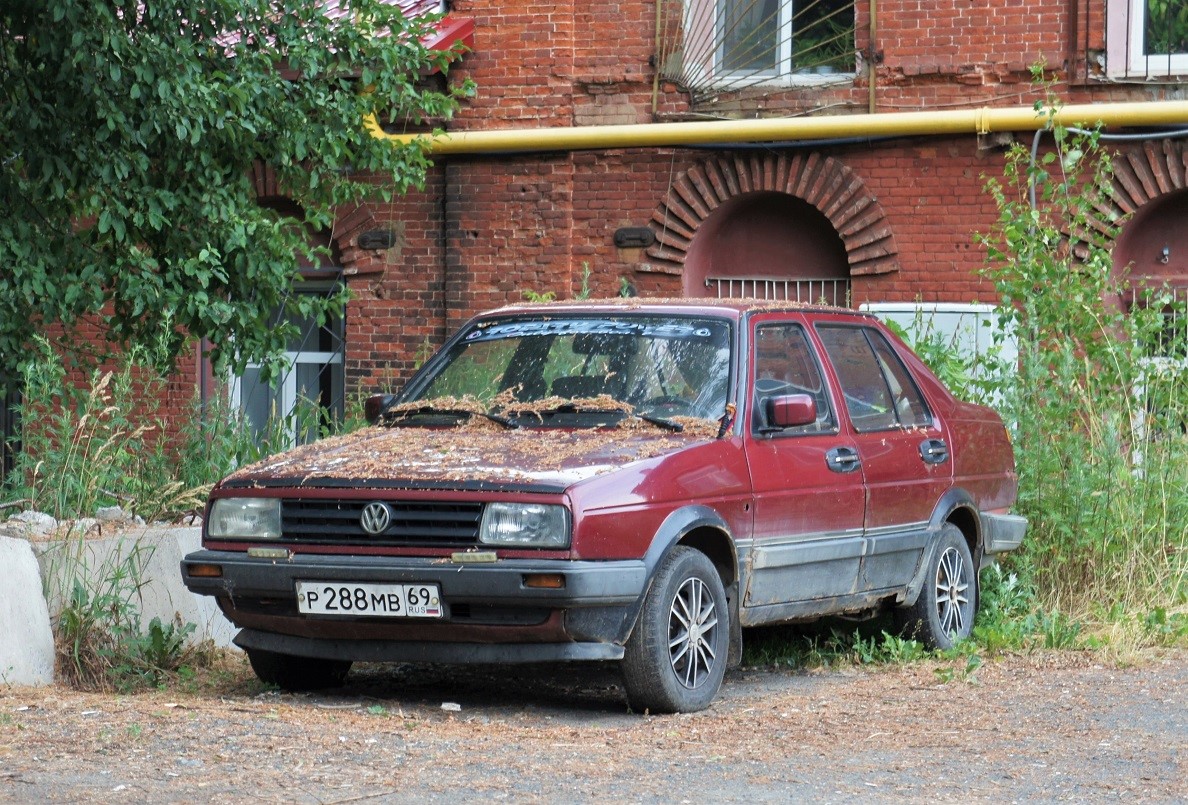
x,y
660,366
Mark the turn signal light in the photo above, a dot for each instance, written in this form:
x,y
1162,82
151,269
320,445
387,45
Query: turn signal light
x,y
545,581
206,571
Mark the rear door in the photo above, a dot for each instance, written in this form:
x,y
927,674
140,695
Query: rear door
x,y
808,504
902,449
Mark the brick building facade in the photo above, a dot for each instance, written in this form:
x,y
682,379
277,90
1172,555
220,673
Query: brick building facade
x,y
490,226
890,218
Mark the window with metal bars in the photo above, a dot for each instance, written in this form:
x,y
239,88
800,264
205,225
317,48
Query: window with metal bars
x,y
710,46
835,292
1147,39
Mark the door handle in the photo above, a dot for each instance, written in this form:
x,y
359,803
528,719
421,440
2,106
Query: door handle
x,y
934,451
843,459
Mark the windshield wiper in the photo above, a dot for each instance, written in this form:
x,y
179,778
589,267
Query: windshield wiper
x,y
394,417
667,424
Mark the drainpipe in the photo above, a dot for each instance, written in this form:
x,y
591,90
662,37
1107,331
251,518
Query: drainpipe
x,y
872,51
657,66
644,135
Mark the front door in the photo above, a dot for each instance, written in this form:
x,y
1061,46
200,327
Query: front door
x,y
808,505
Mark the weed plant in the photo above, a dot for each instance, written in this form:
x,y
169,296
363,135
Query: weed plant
x,y
100,641
112,442
1098,400
108,443
102,445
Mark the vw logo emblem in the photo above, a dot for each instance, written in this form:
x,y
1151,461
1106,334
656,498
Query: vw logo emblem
x,y
376,518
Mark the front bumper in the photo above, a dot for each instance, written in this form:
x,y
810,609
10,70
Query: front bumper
x,y
489,613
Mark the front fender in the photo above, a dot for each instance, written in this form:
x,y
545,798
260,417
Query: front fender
x,y
675,528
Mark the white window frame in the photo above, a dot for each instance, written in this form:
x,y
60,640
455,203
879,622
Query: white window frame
x,y
707,63
286,388
1124,45
783,65
974,330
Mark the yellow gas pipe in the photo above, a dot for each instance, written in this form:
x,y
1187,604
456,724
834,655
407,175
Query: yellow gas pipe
x,y
892,124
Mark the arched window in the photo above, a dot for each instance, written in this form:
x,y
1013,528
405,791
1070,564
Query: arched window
x,y
768,245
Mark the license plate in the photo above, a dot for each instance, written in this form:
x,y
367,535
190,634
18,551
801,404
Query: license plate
x,y
355,599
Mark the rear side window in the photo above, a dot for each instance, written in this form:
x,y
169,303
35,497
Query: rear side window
x,y
879,392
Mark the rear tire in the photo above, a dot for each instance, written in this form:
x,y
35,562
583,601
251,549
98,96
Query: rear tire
x,y
293,673
943,614
676,657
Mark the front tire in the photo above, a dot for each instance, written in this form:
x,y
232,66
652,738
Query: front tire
x,y
943,614
676,657
297,673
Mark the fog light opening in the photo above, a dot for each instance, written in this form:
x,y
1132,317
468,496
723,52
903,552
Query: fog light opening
x,y
545,581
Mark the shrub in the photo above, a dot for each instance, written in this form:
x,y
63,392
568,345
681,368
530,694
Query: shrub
x,y
1099,420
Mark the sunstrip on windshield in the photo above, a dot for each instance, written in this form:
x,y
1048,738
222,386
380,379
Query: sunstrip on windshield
x,y
520,329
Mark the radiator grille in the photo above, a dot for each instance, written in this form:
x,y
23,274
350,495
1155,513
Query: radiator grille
x,y
418,523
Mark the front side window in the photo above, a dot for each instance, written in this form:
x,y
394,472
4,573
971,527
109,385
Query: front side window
x,y
879,392
663,365
786,364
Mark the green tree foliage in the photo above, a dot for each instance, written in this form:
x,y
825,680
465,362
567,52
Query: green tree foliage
x,y
128,134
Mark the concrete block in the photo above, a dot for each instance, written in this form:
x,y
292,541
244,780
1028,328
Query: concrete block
x,y
155,553
26,641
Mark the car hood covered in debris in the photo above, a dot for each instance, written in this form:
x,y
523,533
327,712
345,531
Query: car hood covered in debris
x,y
468,456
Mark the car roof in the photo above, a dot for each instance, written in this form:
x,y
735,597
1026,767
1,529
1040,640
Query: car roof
x,y
731,308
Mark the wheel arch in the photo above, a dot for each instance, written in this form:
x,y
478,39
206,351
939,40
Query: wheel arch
x,y
700,528
957,508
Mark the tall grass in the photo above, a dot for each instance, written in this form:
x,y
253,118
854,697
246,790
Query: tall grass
x,y
1098,399
112,441
84,448
100,639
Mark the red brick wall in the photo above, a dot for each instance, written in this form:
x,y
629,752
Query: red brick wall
x,y
394,312
524,60
487,228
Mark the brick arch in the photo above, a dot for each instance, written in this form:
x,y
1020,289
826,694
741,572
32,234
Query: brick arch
x,y
349,223
825,182
1149,195
1144,173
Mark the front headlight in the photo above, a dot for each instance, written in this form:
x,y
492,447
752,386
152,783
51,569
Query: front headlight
x,y
244,518
525,525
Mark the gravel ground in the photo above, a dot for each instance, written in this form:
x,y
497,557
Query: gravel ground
x,y
1040,727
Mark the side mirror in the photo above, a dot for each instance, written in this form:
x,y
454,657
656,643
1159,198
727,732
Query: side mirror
x,y
791,410
373,407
